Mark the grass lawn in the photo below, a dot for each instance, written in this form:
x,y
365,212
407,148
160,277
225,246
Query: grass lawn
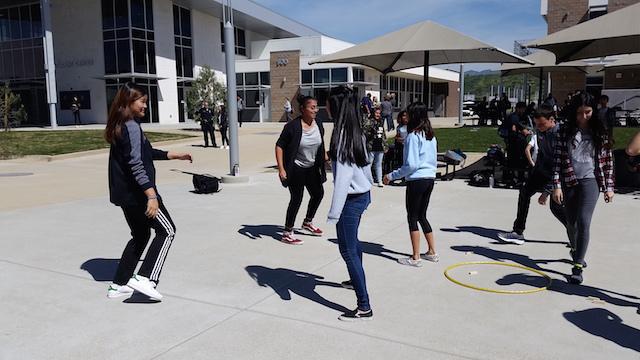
x,y
478,139
21,143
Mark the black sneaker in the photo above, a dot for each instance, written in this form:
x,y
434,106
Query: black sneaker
x,y
576,275
357,315
347,284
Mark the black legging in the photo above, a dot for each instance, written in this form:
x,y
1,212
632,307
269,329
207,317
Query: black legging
x,y
223,134
299,178
417,201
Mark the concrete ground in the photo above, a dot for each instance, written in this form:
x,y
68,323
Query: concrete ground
x,y
232,291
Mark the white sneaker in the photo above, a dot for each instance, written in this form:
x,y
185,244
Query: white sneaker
x,y
116,291
380,184
430,257
410,262
511,237
145,286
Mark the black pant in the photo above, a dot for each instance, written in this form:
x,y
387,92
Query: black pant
x,y
208,131
141,226
299,178
417,201
534,184
223,135
240,117
76,117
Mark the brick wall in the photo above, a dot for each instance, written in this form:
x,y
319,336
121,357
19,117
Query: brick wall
x,y
285,82
619,4
564,83
622,79
452,105
562,14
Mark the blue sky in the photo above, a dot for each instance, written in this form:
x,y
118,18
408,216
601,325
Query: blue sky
x,y
497,22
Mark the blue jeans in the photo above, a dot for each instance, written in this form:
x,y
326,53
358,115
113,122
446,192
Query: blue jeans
x,y
350,247
389,120
376,164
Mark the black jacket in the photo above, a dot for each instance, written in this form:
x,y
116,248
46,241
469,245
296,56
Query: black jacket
x,y
289,141
131,169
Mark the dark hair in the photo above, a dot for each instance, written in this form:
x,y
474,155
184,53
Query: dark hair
x,y
419,120
400,115
119,112
304,99
347,140
521,104
599,133
604,97
545,111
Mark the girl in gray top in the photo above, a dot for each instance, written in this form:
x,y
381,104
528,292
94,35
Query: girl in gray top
x,y
351,194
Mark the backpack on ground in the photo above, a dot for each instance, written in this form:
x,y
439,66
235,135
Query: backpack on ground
x,y
206,184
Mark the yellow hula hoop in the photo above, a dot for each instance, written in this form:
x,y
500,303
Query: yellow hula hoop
x,y
446,274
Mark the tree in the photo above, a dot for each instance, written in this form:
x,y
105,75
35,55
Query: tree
x,y
11,109
206,87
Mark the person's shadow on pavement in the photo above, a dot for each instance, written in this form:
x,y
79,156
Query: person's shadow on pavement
x,y
492,234
286,281
259,231
377,250
498,255
607,325
101,269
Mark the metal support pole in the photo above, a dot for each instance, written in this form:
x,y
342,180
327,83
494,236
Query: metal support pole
x,y
425,81
232,102
540,87
49,62
461,94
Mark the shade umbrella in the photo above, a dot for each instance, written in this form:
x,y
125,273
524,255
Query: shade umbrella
x,y
422,44
544,62
626,61
615,33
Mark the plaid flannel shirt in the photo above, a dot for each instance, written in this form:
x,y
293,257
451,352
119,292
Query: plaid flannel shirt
x,y
563,172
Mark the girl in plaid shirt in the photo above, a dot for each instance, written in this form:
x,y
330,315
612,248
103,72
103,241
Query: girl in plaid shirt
x,y
583,167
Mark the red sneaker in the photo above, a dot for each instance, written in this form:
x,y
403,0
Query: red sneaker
x,y
288,238
312,229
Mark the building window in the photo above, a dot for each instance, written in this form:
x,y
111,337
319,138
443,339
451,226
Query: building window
x,y
240,39
183,41
307,76
150,86
318,82
21,48
358,75
406,91
128,36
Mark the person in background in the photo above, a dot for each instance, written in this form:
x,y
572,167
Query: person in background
x,y
377,143
288,110
75,110
387,112
132,187
351,194
301,155
223,122
401,135
583,167
505,105
419,170
206,124
367,105
606,115
240,109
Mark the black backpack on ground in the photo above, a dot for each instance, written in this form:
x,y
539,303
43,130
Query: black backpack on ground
x,y
206,184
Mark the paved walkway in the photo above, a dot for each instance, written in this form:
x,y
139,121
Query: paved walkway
x,y
232,291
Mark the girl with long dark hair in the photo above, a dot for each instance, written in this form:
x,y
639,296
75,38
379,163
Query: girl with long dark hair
x,y
419,170
583,167
132,186
300,155
351,193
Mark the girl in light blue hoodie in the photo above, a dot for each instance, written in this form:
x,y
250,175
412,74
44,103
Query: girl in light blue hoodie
x,y
351,193
419,170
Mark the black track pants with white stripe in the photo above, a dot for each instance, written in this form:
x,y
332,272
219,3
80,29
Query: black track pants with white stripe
x,y
141,227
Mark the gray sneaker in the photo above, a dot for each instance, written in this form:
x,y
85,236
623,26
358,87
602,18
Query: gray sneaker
x,y
430,257
410,262
511,237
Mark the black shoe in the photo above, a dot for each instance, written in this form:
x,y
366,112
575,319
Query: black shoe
x,y
576,275
347,284
357,315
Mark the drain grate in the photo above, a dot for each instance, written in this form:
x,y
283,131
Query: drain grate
x,y
15,174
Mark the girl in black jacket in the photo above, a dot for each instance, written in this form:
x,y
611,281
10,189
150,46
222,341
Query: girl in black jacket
x,y
132,186
301,155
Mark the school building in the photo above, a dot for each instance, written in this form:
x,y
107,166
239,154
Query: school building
x,y
97,45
